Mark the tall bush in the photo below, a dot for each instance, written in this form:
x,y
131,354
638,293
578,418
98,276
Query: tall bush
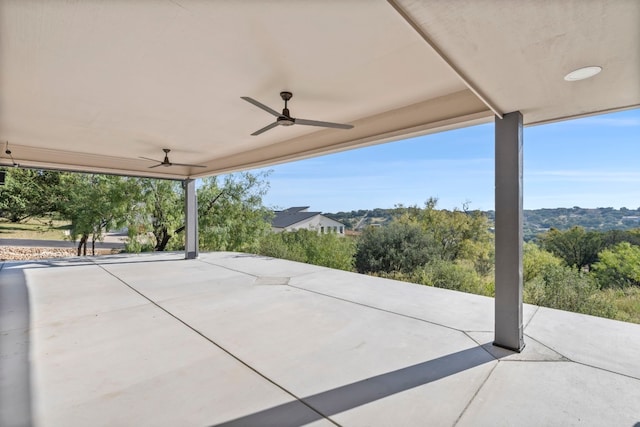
x,y
567,288
328,250
397,247
535,260
619,266
459,276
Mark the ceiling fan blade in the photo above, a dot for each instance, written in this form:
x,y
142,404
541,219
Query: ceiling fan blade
x,y
155,166
261,105
322,124
264,129
153,160
188,165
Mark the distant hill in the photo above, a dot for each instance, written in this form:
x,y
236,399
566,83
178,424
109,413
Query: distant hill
x,y
536,221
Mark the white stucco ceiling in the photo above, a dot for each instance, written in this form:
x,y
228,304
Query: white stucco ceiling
x,y
95,85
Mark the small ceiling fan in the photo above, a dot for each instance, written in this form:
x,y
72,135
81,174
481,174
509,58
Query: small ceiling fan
x,y
167,163
285,119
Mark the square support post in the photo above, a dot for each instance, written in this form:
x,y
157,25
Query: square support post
x,y
190,219
508,232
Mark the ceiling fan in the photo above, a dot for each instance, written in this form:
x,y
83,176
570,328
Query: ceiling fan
x,y
167,163
285,119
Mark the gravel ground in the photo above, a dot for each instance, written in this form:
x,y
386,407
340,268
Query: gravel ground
x,y
17,253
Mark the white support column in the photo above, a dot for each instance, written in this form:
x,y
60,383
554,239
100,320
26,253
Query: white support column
x,y
508,228
190,219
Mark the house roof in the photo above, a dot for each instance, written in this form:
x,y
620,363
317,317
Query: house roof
x,y
97,86
288,217
295,209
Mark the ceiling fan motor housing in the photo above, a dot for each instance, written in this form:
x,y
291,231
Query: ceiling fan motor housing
x,y
285,95
285,119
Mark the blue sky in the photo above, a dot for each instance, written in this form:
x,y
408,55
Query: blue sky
x,y
588,162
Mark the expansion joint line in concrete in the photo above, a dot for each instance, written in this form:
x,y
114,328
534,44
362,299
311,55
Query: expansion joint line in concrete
x,y
227,268
567,359
265,377
600,368
376,308
607,370
475,394
466,333
531,318
249,274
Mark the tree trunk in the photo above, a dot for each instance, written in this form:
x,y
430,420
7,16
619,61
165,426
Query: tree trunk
x,y
83,242
162,243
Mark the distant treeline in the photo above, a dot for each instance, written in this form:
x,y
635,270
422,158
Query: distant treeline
x,y
536,221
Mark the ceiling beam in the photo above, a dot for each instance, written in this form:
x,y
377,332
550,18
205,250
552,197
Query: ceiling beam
x,y
466,80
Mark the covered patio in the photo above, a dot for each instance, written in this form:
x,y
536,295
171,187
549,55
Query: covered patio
x,y
107,86
233,339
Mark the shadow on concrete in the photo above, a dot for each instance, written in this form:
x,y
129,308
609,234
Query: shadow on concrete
x,y
15,369
337,400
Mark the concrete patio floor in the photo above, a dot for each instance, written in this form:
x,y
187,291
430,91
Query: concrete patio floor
x,y
240,340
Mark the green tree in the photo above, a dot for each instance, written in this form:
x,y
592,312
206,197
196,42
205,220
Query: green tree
x,y
400,247
535,260
417,236
231,214
158,215
577,247
455,234
94,204
619,266
29,193
613,237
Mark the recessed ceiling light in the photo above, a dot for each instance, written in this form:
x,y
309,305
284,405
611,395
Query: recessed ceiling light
x,y
582,73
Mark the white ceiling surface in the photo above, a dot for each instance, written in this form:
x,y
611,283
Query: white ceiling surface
x,y
94,85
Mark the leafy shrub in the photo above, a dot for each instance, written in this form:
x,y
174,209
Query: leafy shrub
x,y
455,275
328,250
619,266
331,250
135,246
283,246
534,261
396,247
626,301
566,288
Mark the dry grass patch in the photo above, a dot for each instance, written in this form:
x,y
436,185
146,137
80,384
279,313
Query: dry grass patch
x,y
34,228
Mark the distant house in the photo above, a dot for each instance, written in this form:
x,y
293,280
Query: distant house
x,y
297,218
